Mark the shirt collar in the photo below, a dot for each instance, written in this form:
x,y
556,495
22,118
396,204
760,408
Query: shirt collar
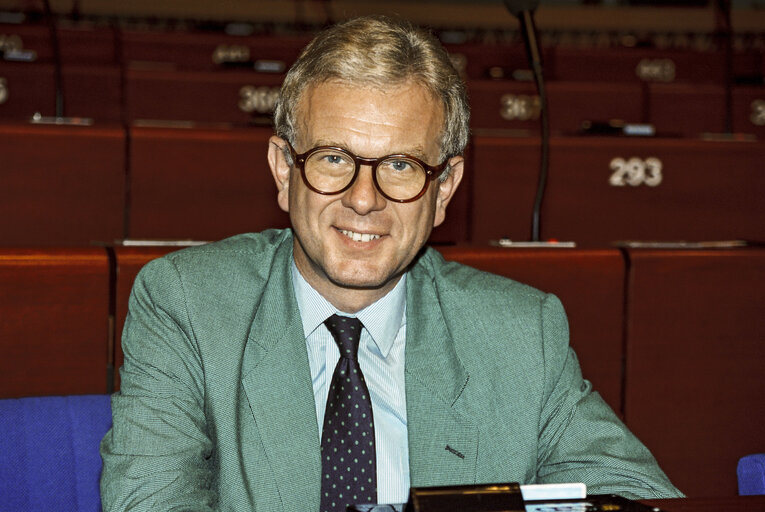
x,y
382,319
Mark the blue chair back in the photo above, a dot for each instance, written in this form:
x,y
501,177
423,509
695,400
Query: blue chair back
x,y
49,458
751,474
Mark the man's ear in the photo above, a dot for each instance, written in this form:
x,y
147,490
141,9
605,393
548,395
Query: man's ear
x,y
280,169
447,188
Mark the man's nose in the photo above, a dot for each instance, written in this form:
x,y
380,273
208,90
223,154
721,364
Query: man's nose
x,y
363,196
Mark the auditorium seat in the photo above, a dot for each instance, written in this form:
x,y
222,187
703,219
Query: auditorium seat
x,y
505,105
602,190
692,110
590,283
54,327
694,384
61,185
200,183
639,64
89,91
499,60
234,97
749,110
208,51
80,43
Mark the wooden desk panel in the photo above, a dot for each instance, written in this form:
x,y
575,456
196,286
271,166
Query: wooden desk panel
x,y
54,324
705,190
695,386
590,283
200,184
61,185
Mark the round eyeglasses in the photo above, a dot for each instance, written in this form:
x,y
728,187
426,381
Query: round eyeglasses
x,y
331,170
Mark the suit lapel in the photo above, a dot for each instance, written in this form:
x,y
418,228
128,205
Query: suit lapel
x,y
278,386
443,443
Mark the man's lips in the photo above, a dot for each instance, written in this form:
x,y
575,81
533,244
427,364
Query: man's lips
x,y
358,237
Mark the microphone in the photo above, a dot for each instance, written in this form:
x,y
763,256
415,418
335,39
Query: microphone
x,y
524,11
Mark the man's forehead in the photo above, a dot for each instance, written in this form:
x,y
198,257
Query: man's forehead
x,y
329,89
330,100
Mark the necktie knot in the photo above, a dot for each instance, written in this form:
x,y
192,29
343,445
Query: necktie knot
x,y
347,332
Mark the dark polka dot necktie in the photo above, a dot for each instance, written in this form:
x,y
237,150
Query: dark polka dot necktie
x,y
348,460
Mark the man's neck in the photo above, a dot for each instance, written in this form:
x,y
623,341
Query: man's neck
x,y
347,299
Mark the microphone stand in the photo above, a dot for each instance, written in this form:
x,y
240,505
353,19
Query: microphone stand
x,y
524,11
725,33
59,117
529,32
58,77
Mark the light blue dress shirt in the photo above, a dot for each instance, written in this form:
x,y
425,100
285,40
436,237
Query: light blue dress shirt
x,y
381,357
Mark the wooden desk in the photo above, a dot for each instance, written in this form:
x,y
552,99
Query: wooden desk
x,y
716,504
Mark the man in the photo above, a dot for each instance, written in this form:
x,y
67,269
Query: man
x,y
233,353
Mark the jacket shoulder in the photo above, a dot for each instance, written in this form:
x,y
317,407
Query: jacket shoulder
x,y
456,279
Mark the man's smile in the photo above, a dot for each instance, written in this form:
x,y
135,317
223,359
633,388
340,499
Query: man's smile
x,y
359,237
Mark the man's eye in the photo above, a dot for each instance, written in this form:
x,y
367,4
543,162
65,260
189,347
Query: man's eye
x,y
333,159
400,165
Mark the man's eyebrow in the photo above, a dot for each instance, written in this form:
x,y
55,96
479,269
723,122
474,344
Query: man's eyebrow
x,y
327,142
415,151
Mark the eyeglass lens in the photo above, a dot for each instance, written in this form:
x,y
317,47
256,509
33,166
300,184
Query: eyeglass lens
x,y
330,171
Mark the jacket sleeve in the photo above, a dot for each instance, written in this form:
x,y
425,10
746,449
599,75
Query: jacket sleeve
x,y
158,454
580,437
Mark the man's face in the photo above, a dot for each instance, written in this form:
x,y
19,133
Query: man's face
x,y
350,270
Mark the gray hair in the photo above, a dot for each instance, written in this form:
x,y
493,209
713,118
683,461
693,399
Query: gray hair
x,y
380,52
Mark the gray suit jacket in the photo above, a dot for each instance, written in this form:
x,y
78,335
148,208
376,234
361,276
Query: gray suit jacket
x,y
216,408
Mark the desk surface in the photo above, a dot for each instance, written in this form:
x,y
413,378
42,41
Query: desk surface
x,y
715,504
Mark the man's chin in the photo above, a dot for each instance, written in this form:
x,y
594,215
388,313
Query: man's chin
x,y
362,282
359,278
